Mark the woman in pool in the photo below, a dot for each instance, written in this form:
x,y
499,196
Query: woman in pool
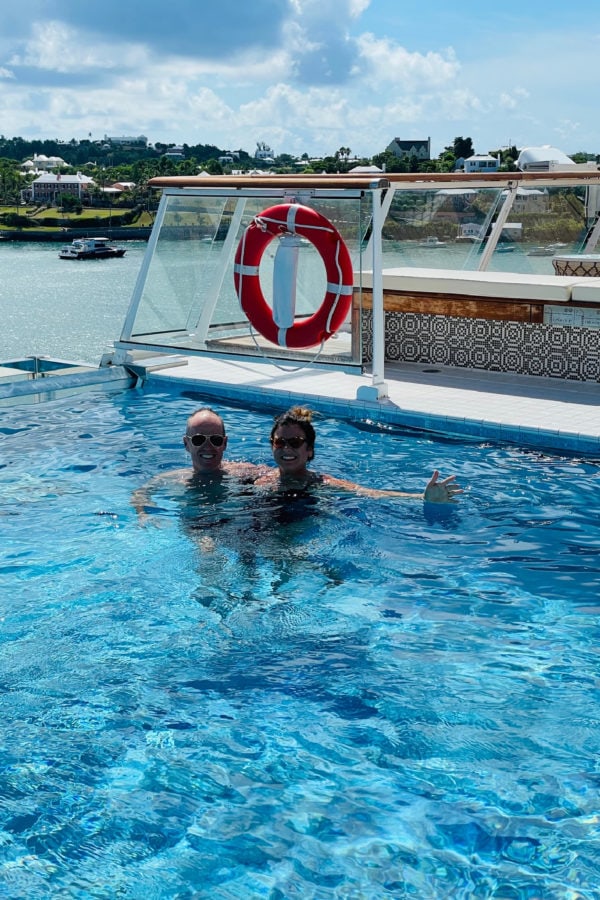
x,y
293,444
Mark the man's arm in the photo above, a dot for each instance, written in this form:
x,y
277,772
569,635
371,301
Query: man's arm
x,y
141,498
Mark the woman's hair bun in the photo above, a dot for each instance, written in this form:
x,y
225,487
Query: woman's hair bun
x,y
302,412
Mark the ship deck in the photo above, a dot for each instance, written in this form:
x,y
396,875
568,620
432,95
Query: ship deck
x,y
548,413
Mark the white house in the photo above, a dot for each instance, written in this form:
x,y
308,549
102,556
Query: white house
x,y
471,231
482,162
121,140
121,186
263,151
366,170
530,200
42,163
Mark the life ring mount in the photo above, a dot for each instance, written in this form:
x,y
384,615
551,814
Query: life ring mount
x,y
279,324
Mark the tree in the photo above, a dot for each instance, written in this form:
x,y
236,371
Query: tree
x,y
214,167
462,147
446,160
10,181
285,161
581,157
508,157
390,162
329,164
68,202
342,155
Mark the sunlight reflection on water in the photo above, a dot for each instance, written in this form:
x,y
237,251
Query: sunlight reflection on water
x,y
343,698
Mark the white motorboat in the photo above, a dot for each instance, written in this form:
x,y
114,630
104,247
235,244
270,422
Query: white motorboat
x,y
432,242
90,248
548,250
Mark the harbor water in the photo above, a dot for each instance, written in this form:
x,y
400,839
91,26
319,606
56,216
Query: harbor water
x,y
72,309
69,309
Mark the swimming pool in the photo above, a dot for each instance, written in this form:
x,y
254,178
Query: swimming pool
x,y
345,698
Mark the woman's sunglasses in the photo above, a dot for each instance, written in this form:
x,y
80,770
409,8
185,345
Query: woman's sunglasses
x,y
293,442
198,439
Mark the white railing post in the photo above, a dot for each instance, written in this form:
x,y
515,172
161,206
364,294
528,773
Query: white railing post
x,y
379,389
499,224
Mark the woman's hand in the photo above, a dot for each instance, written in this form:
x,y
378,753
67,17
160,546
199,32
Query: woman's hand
x,y
443,491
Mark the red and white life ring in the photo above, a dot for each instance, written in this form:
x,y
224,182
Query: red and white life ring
x,y
295,219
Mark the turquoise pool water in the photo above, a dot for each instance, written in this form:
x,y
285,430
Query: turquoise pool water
x,y
344,698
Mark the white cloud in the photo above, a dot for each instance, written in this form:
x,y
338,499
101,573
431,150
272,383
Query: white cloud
x,y
299,74
47,49
382,61
567,128
357,7
335,12
513,100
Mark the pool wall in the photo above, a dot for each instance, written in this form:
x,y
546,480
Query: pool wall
x,y
33,379
385,413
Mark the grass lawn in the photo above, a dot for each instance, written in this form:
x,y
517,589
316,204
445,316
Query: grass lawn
x,y
37,217
86,215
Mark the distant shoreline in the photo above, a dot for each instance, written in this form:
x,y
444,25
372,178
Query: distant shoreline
x,y
41,235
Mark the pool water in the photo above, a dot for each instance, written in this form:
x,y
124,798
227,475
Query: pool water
x,y
335,697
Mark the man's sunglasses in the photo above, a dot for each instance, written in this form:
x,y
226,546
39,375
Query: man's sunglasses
x,y
293,442
199,439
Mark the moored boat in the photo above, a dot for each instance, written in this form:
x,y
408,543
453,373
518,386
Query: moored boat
x,y
432,242
90,248
547,250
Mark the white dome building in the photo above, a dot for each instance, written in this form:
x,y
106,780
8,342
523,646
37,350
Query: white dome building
x,y
542,159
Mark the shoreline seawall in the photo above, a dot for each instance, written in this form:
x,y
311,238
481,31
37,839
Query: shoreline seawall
x,y
68,234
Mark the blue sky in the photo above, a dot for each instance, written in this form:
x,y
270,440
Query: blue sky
x,y
304,75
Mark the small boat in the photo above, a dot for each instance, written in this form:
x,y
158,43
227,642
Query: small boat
x,y
90,248
432,241
548,250
540,251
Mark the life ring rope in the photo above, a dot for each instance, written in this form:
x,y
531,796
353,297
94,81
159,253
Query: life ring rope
x,y
262,222
294,219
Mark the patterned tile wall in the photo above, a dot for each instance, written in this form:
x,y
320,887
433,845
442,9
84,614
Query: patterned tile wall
x,y
520,347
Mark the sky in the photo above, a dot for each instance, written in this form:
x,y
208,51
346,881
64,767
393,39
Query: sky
x,y
304,76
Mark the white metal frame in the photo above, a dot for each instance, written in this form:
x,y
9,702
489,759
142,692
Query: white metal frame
x,y
374,250
382,191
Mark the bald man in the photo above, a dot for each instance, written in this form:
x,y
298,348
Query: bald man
x,y
205,440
